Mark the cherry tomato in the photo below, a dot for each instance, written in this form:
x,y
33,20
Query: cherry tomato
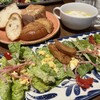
x,y
92,40
84,83
8,55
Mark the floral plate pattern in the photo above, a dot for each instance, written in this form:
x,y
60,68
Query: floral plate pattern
x,y
68,89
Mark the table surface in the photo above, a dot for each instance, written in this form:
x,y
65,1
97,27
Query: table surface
x,y
63,31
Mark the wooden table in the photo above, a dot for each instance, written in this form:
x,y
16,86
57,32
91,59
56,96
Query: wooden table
x,y
63,31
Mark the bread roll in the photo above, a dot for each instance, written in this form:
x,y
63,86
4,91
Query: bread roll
x,y
33,12
46,23
33,31
14,27
6,13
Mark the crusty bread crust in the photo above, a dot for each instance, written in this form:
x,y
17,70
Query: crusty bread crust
x,y
46,23
6,13
33,12
33,31
14,27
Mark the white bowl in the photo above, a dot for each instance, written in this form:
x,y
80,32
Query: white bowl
x,y
74,22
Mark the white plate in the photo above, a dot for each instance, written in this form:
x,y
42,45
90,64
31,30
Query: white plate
x,y
68,89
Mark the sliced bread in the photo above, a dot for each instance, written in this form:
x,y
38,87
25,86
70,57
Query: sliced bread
x,y
14,27
6,12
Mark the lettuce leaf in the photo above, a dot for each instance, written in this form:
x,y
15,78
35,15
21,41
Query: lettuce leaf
x,y
3,62
5,88
62,74
84,69
14,48
98,63
92,58
18,90
98,68
27,53
82,45
47,69
45,77
40,85
97,38
68,43
20,53
5,1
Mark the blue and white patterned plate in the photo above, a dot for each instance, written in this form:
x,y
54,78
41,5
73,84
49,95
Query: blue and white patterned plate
x,y
68,89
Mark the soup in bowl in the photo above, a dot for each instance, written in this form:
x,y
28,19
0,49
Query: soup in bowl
x,y
76,16
77,13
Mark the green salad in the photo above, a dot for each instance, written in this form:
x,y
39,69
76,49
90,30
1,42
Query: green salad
x,y
6,1
22,67
17,1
